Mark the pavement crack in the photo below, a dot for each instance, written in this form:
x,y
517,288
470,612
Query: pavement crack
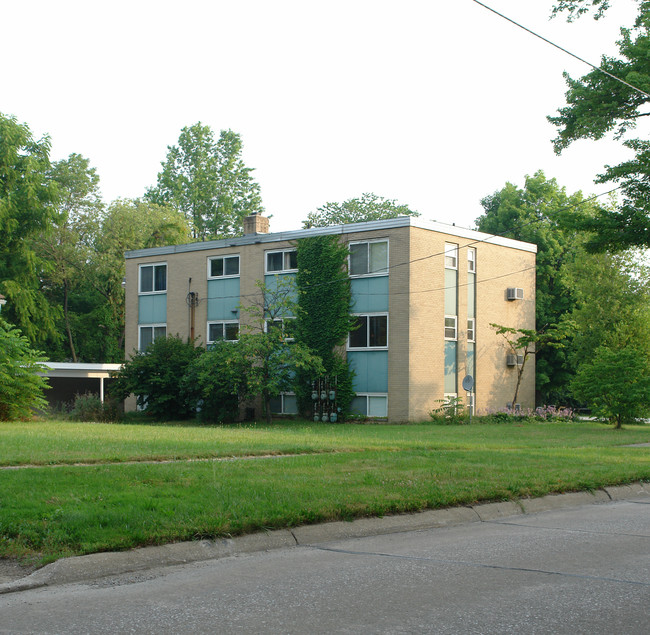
x,y
480,565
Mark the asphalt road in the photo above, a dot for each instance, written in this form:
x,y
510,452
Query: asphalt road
x,y
576,570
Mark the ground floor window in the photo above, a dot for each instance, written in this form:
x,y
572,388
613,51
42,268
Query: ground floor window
x,y
149,333
285,404
370,405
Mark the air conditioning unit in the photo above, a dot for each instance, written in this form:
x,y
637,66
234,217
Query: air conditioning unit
x,y
515,293
514,360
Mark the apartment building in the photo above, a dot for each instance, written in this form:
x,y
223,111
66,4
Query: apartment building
x,y
424,292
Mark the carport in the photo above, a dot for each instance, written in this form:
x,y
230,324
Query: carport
x,y
68,379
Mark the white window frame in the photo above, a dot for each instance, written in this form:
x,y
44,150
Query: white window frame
x,y
152,327
451,256
368,396
455,327
471,330
281,320
224,322
224,275
471,260
153,265
368,347
369,274
285,253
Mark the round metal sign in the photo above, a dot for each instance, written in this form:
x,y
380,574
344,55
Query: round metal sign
x,y
468,383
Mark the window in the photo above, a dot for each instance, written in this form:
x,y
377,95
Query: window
x,y
279,261
149,333
371,333
370,405
450,327
451,256
153,278
223,266
471,260
284,404
218,331
368,258
285,324
471,329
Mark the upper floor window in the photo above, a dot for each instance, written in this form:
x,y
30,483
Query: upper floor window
x,y
471,329
153,278
368,258
451,256
471,260
372,332
451,322
281,261
149,333
223,266
228,331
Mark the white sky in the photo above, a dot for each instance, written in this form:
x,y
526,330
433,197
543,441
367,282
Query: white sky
x,y
434,103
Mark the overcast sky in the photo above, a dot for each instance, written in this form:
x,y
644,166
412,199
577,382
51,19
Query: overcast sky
x,y
434,103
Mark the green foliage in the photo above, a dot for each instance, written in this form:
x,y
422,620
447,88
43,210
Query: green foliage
x,y
208,182
576,8
27,194
615,383
450,411
530,214
323,317
154,377
269,362
21,389
89,407
598,104
357,210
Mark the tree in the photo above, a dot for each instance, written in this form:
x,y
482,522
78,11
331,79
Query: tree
x,y
267,357
522,343
598,104
616,384
65,246
21,388
530,214
154,377
357,210
27,197
323,313
208,182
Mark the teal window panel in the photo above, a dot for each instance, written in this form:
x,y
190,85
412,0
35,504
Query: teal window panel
x,y
450,367
223,299
471,295
271,281
370,295
371,370
152,309
451,292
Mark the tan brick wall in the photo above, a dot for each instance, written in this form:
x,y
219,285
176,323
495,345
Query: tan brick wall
x,y
416,312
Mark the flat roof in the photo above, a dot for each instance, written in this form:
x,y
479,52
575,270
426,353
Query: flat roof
x,y
79,370
391,223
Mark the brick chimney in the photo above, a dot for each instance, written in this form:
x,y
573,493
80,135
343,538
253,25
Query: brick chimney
x,y
256,224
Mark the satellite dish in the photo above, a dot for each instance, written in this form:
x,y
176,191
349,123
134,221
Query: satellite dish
x,y
468,383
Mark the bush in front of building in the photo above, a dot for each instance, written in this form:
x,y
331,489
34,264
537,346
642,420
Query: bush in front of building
x,y
89,407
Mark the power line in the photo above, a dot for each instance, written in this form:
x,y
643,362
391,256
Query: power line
x,y
557,46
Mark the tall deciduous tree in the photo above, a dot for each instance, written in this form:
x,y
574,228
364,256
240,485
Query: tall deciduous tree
x,y
529,214
357,210
65,247
27,194
208,181
598,104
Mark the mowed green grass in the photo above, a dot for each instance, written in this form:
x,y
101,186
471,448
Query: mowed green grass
x,y
99,487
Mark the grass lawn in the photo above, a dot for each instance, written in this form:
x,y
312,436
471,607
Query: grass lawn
x,y
71,488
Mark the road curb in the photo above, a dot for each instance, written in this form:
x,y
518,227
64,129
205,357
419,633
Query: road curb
x,y
102,565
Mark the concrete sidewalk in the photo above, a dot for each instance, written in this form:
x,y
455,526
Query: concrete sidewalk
x,y
100,565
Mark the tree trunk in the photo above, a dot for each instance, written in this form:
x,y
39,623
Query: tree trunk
x,y
67,321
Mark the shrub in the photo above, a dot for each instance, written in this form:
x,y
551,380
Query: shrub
x,y
89,407
449,412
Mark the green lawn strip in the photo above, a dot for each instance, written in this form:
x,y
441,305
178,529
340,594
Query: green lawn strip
x,y
48,513
62,442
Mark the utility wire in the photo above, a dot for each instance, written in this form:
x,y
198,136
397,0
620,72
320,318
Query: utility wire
x,y
557,46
